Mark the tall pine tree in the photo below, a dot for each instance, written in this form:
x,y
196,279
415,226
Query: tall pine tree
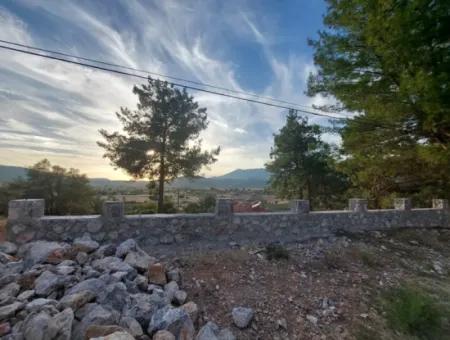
x,y
162,136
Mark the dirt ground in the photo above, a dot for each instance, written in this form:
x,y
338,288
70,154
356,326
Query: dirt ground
x,y
327,289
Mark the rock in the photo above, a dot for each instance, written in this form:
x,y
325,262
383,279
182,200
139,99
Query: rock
x,y
115,296
282,323
47,283
97,315
116,336
5,258
93,285
61,325
142,306
59,255
141,282
82,257
36,326
208,332
312,319
105,250
163,335
180,297
211,331
132,325
113,264
191,309
85,244
170,289
38,251
64,270
10,310
242,316
174,320
77,300
157,274
174,275
5,328
125,247
139,260
11,289
437,267
8,248
37,304
94,331
26,295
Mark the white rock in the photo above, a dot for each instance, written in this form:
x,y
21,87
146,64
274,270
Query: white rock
x,y
242,316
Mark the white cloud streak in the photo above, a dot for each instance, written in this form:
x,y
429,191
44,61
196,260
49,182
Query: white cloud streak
x,y
55,110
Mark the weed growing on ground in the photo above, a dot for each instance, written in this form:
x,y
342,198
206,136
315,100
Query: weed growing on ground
x,y
276,252
411,311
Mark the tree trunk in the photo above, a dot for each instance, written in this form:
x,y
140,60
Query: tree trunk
x,y
162,176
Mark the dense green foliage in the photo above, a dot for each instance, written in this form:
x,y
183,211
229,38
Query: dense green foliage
x,y
206,204
389,60
303,166
64,191
161,140
413,312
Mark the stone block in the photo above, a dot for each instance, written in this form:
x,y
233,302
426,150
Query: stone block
x,y
357,204
299,206
113,210
440,204
224,206
402,204
26,209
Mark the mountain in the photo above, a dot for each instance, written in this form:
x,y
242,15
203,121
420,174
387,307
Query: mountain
x,y
9,173
239,178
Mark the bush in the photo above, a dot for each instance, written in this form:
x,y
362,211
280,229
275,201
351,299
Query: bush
x,y
413,312
276,252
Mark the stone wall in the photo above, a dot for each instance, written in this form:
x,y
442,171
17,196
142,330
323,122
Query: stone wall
x,y
27,222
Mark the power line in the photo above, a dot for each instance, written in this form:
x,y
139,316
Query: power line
x,y
155,74
172,83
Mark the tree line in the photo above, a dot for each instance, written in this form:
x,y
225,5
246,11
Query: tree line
x,y
386,60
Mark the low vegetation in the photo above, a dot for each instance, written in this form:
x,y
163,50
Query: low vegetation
x,y
276,252
412,311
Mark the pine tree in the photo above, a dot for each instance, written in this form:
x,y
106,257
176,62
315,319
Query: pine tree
x,y
162,137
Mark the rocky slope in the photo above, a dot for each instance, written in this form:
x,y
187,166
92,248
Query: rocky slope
x,y
82,290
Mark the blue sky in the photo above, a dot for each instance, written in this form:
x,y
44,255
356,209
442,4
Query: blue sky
x,y
54,110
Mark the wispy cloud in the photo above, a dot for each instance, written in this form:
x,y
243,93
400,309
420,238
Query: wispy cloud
x,y
55,109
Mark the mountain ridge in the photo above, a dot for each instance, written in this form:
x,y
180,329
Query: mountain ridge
x,y
238,178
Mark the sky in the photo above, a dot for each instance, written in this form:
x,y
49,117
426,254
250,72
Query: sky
x,y
54,110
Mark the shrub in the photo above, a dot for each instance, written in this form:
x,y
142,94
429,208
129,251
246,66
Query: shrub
x,y
411,311
276,252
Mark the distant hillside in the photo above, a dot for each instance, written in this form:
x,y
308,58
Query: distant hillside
x,y
239,178
10,173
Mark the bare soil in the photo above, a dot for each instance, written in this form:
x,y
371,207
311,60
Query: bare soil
x,y
327,289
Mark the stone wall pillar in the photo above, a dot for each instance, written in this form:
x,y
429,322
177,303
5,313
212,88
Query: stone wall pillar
x,y
299,206
26,209
224,207
440,204
357,204
402,204
113,210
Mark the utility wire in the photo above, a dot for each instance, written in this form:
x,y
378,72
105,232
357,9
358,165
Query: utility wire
x,y
172,83
365,122
155,74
